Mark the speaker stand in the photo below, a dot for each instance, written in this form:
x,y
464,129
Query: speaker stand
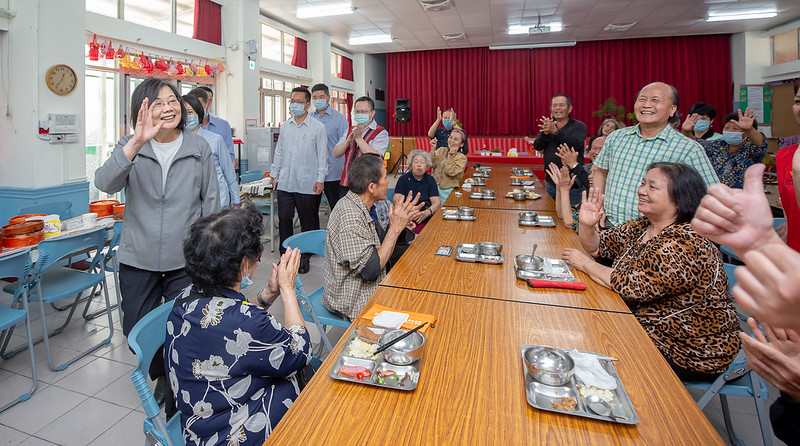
x,y
403,156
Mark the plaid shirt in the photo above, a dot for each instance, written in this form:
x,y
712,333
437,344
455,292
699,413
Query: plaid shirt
x,y
626,155
351,239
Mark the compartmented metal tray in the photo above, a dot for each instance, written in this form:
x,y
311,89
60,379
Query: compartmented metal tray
x,y
468,252
552,269
542,396
407,375
545,221
522,183
479,196
452,214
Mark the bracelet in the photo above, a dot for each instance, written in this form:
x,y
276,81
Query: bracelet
x,y
261,302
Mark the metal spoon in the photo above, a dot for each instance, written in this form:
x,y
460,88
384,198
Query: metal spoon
x,y
600,407
533,254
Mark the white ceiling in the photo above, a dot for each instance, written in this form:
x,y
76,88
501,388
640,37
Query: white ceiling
x,y
485,22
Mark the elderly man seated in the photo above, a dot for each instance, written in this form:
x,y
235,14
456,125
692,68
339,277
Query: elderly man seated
x,y
355,253
418,181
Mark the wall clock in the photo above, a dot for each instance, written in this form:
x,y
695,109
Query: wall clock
x,y
61,79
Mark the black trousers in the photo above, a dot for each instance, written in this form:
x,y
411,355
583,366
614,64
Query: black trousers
x,y
333,192
307,206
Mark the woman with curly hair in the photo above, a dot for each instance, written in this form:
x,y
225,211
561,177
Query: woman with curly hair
x,y
231,365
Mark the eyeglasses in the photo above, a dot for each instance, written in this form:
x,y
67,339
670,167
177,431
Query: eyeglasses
x,y
157,104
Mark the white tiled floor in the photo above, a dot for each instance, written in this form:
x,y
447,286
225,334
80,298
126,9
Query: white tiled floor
x,y
93,402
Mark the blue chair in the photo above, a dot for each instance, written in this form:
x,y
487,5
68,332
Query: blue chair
x,y
62,208
53,282
113,268
145,339
17,266
728,251
311,304
250,176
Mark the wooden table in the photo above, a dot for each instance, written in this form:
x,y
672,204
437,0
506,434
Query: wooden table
x,y
500,182
419,268
471,387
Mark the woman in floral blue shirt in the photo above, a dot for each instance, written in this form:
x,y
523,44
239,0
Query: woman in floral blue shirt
x,y
741,146
231,365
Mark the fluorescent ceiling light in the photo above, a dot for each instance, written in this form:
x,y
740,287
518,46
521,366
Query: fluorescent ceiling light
x,y
532,45
533,29
368,40
324,10
721,17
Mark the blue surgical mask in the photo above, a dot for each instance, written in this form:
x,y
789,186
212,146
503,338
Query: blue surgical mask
x,y
732,138
246,282
447,123
361,118
191,122
297,109
702,125
320,104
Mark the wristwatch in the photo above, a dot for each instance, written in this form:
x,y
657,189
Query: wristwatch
x,y
573,166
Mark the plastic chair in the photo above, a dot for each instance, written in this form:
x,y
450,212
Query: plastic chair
x,y
146,337
311,308
250,176
728,251
62,208
110,257
54,282
17,266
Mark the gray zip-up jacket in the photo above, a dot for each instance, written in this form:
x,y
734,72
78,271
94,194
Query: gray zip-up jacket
x,y
157,222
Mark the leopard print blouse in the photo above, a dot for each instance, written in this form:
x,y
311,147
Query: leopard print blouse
x,y
676,287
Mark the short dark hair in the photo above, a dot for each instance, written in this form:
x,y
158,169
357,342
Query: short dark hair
x,y
321,87
363,171
734,116
199,93
569,101
303,90
701,108
367,100
206,89
150,89
193,102
686,188
216,245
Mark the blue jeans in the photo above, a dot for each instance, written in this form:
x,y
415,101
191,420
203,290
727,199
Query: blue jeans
x,y
574,193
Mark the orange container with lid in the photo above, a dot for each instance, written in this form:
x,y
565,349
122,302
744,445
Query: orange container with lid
x,y
23,228
119,211
103,208
22,241
23,218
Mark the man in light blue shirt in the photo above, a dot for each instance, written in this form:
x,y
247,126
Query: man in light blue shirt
x,y
336,127
213,123
299,169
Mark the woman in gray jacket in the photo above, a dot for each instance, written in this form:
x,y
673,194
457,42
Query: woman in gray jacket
x,y
170,182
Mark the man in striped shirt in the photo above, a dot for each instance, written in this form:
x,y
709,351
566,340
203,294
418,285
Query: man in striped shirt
x,y
627,152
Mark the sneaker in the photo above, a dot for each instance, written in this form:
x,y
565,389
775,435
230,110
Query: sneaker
x,y
304,265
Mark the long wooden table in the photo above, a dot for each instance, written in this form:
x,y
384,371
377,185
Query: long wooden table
x,y
500,182
471,387
419,268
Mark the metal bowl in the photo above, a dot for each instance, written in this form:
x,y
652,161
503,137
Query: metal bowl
x,y
466,211
478,182
516,182
529,216
549,366
488,193
489,248
519,196
404,352
525,262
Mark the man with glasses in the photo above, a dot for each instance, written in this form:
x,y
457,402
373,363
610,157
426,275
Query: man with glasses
x,y
364,137
336,129
299,169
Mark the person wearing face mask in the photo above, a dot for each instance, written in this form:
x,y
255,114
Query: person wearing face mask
x,y
214,123
705,119
299,169
741,146
229,361
448,121
226,176
336,128
366,136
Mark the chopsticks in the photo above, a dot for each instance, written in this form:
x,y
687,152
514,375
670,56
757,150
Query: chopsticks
x,y
397,339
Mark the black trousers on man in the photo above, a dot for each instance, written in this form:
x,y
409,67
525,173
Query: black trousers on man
x,y
333,192
307,206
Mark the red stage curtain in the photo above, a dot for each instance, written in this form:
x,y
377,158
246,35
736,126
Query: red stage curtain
x,y
300,56
503,93
208,21
346,69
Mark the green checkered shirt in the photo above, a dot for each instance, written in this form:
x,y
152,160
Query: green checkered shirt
x,y
626,155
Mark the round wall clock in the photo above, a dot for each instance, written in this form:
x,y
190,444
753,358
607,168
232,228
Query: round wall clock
x,y
61,79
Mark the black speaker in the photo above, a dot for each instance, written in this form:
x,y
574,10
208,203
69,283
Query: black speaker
x,y
402,110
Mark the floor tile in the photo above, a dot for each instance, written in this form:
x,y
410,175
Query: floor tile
x,y
121,353
34,441
126,432
95,376
13,387
121,392
11,437
84,423
43,408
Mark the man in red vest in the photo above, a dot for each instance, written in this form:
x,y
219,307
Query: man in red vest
x,y
364,137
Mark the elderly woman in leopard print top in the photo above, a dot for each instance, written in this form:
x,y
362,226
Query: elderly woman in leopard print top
x,y
671,277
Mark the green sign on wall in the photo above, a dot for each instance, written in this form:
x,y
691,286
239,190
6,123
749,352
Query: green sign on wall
x,y
759,99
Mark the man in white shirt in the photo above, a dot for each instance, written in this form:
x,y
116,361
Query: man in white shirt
x,y
299,169
364,137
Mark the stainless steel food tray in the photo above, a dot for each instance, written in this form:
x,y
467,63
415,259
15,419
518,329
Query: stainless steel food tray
x,y
452,214
545,221
479,196
409,373
522,183
541,396
552,269
467,252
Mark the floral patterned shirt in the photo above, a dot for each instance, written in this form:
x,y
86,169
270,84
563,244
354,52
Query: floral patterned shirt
x,y
730,166
231,367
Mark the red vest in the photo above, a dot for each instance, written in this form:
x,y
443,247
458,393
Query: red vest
x,y
788,200
354,152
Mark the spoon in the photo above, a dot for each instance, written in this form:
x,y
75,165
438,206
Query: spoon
x,y
600,407
533,254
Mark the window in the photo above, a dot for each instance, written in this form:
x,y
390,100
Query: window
x,y
276,45
104,7
184,18
336,64
156,14
785,46
153,13
275,96
339,101
101,122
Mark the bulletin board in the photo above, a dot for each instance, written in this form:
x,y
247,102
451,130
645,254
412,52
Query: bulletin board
x,y
759,99
783,122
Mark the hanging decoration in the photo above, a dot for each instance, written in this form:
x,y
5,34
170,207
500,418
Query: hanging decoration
x,y
94,49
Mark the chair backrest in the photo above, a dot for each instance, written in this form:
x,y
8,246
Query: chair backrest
x,y
249,177
62,208
16,265
777,221
53,250
729,272
312,242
